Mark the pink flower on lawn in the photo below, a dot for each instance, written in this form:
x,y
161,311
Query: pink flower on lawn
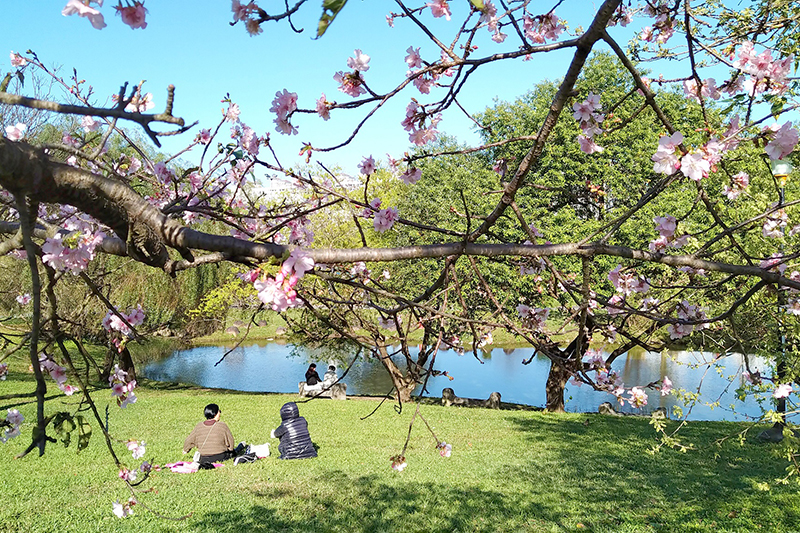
x,y
360,62
385,219
367,165
74,7
3,371
782,391
17,60
439,8
24,299
133,15
16,132
14,417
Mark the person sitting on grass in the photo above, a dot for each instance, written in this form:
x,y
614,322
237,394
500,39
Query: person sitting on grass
x,y
313,381
295,441
211,437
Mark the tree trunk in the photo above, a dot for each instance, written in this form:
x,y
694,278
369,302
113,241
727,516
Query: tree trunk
x,y
405,385
554,388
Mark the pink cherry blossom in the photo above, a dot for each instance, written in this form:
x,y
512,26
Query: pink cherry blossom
x,y
133,15
360,62
24,299
638,398
413,59
367,165
140,104
782,391
137,449
739,183
695,166
385,219
90,124
666,386
204,137
298,262
14,417
439,8
588,145
323,109
283,105
411,176
783,142
74,7
16,132
350,83
17,60
3,371
242,11
232,114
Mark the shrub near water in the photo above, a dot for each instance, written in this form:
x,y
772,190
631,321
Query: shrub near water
x,y
509,471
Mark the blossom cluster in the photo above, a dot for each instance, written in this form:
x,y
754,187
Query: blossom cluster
x,y
114,322
382,219
766,74
72,251
283,105
586,113
57,372
414,124
627,283
132,14
666,226
15,419
121,388
16,132
279,292
689,313
535,317
664,24
542,28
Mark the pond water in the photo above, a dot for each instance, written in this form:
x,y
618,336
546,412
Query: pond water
x,y
274,367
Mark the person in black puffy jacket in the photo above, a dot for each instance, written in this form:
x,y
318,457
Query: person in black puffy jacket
x,y
295,442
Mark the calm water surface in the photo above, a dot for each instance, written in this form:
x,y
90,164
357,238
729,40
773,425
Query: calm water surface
x,y
273,367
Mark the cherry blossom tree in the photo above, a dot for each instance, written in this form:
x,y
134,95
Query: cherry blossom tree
x,y
643,274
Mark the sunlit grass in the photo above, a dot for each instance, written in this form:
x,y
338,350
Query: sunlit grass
x,y
510,471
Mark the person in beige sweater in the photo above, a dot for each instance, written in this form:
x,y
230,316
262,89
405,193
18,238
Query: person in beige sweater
x,y
212,437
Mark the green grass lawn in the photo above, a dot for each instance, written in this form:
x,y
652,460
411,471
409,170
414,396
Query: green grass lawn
x,y
510,471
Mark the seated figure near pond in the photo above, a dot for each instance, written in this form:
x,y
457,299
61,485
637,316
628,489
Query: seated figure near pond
x,y
313,381
330,377
212,437
295,441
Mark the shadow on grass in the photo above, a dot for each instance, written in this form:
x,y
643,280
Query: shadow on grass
x,y
622,482
376,506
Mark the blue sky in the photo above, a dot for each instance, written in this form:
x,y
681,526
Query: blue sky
x,y
192,45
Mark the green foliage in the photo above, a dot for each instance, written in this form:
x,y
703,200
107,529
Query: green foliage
x,y
65,424
330,8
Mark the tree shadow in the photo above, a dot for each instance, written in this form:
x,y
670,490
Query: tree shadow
x,y
377,506
616,470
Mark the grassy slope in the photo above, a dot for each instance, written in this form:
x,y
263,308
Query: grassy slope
x,y
510,471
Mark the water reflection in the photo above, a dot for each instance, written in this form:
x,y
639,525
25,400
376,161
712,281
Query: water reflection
x,y
276,367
